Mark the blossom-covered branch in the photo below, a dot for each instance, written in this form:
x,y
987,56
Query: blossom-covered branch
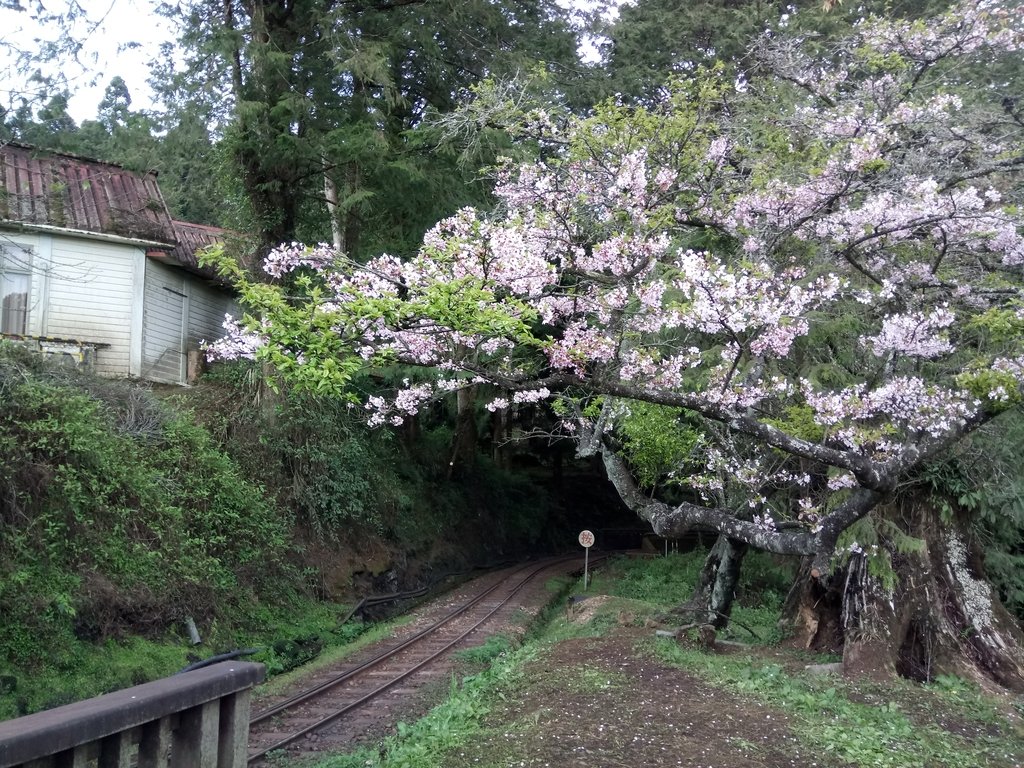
x,y
835,294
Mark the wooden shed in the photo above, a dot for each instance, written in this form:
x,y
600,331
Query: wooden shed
x,y
90,256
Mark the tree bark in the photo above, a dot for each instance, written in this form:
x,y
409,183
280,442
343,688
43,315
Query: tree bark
x,y
464,440
675,520
935,615
499,438
331,196
713,596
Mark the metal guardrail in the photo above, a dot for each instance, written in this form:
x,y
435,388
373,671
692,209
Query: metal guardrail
x,y
371,600
198,719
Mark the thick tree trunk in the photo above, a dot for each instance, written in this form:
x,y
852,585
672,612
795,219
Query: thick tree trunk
x,y
812,612
499,438
712,599
934,614
465,438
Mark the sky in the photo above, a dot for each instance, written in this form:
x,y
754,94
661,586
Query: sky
x,y
113,25
120,22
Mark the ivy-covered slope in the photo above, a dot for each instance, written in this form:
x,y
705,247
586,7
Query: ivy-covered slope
x,y
119,515
124,510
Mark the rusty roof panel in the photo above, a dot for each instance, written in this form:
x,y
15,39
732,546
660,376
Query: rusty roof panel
x,y
61,190
192,238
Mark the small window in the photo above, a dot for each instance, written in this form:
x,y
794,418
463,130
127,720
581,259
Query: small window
x,y
15,283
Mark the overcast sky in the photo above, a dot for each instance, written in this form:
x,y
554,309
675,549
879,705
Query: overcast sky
x,y
118,24
106,53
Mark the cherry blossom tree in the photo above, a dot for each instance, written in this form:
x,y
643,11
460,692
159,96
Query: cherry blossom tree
x,y
822,273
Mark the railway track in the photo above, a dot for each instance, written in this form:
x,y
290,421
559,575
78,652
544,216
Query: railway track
x,y
339,704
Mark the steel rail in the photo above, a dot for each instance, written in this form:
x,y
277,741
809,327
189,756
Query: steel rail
x,y
315,691
320,689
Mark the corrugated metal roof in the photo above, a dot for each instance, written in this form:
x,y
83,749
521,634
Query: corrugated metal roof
x,y
59,190
192,238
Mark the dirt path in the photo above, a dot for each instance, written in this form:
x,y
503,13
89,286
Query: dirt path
x,y
596,702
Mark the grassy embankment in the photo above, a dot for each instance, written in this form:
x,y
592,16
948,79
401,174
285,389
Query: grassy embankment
x,y
123,512
122,517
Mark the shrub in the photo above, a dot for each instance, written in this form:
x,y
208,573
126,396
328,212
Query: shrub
x,y
117,514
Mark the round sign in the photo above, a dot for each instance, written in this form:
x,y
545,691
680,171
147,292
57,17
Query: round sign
x,y
586,539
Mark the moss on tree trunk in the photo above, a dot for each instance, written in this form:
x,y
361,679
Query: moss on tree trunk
x,y
932,612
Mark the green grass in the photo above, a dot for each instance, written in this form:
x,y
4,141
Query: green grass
x,y
957,692
95,670
288,635
448,726
837,719
485,653
300,633
665,582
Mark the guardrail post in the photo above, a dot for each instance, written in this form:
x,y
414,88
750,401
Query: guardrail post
x,y
234,730
195,739
155,744
198,719
115,750
73,758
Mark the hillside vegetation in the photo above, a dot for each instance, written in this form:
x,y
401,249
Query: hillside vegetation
x,y
125,512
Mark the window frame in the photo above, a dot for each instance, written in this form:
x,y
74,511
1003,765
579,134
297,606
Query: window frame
x,y
15,260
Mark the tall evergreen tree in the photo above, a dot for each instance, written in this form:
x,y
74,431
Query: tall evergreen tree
x,y
653,40
115,108
177,145
322,96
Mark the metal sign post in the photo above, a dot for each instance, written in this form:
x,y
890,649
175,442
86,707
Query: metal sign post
x,y
586,541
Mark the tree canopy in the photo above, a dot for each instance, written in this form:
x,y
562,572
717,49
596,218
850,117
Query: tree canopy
x,y
651,40
835,295
319,100
296,119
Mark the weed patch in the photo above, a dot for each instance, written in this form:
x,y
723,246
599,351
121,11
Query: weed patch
x,y
662,581
666,582
495,646
876,733
448,726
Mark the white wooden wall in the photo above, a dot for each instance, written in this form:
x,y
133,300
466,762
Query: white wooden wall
x,y
181,311
148,313
85,291
164,324
206,316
